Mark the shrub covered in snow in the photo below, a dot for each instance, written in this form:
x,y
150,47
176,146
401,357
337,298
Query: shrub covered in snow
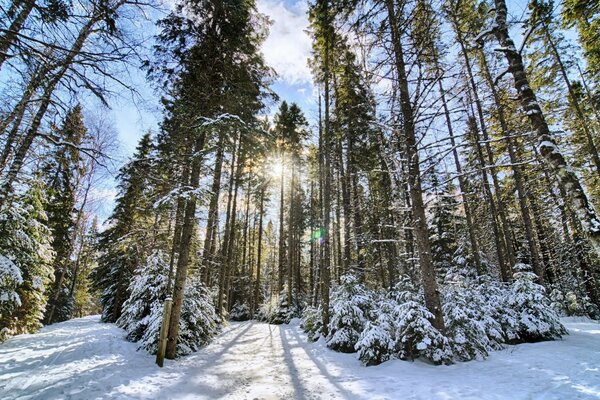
x,y
466,323
267,309
350,305
376,343
240,312
536,320
285,310
143,310
10,279
572,303
312,322
199,321
415,336
148,292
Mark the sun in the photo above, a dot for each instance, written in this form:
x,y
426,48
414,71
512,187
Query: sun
x,y
275,168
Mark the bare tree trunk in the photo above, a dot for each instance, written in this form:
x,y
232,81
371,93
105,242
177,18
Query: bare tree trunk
x,y
432,298
461,182
213,213
593,149
10,35
187,230
282,258
261,211
325,148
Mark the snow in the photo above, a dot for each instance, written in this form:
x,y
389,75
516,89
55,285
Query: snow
x,y
86,359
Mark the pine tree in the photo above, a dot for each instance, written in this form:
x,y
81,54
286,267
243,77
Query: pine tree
x,y
63,175
25,241
124,243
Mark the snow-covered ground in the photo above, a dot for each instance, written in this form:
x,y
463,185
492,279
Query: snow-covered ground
x,y
85,359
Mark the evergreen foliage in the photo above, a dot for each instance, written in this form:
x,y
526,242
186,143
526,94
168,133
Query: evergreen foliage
x,y
25,242
350,307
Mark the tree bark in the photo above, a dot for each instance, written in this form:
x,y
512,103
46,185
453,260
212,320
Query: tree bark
x,y
432,298
187,230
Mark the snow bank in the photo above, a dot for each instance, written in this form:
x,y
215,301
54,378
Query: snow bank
x,y
85,359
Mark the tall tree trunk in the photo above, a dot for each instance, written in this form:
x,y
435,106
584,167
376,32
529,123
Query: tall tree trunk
x,y
261,211
461,181
584,123
546,144
187,230
516,169
208,251
282,252
432,298
11,34
497,208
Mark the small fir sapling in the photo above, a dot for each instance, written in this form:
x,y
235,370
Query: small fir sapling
x,y
415,336
376,344
350,306
536,320
312,322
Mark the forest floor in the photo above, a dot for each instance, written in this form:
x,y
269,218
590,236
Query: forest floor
x,y
86,359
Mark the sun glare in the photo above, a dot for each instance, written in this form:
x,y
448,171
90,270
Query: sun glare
x,y
275,168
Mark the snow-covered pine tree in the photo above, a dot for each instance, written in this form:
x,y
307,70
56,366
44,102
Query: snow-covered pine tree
x,y
143,310
376,342
311,322
465,322
240,312
199,321
148,290
443,229
25,242
351,304
536,320
414,334
10,280
285,310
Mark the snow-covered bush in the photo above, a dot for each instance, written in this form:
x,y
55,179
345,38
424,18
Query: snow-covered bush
x,y
240,312
312,322
285,310
415,336
465,323
267,309
148,292
571,303
10,279
376,343
500,319
199,321
143,310
536,320
350,305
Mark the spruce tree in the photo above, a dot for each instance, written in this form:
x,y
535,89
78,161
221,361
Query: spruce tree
x,y
124,243
63,173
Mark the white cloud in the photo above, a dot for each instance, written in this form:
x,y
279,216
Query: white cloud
x,y
288,46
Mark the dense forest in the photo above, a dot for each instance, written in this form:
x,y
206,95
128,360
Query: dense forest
x,y
442,202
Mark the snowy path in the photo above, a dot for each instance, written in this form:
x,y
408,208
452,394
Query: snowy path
x,y
84,359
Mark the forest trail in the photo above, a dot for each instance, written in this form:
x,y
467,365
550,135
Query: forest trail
x,y
85,359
